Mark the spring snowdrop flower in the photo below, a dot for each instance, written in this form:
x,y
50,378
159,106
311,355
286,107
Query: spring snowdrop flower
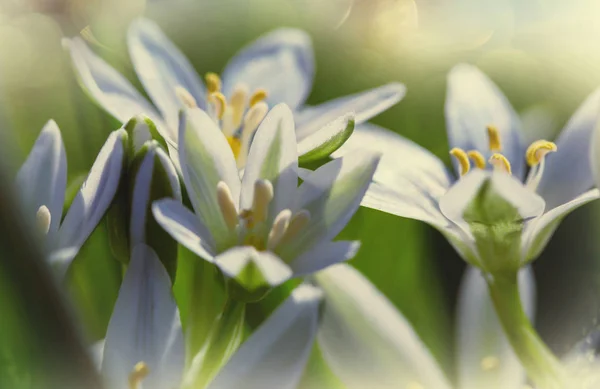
x,y
41,185
507,200
369,344
277,68
263,229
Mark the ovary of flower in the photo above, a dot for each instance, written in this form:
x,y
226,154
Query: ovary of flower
x,y
43,219
250,223
137,375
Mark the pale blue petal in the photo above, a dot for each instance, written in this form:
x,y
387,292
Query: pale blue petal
x,y
96,193
144,327
365,341
184,227
485,356
43,177
474,102
142,189
323,256
568,172
233,261
162,67
273,156
364,105
110,89
276,354
206,159
281,62
538,231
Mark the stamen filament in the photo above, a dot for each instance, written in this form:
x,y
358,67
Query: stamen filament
x,y
186,97
537,151
252,119
463,160
43,219
137,375
213,82
258,96
297,223
238,104
494,138
500,162
280,225
477,158
219,102
227,206
263,194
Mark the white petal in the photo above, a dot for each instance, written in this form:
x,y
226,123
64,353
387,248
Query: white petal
x,y
364,105
366,341
272,270
42,179
96,193
110,89
144,327
281,62
161,67
485,357
324,255
539,231
273,156
276,354
206,159
328,139
184,227
474,102
568,172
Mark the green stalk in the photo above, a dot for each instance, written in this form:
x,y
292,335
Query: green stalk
x,y
542,367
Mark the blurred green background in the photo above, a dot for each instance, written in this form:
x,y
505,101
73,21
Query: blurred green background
x,y
543,54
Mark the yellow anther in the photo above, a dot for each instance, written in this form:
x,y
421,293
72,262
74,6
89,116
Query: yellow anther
x,y
236,145
137,375
213,82
219,102
43,219
258,96
494,138
538,150
489,363
477,158
185,97
227,205
499,161
463,160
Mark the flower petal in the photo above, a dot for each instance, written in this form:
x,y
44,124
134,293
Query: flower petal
x,y
144,327
281,62
568,172
95,196
474,102
206,159
162,68
277,352
273,156
184,227
364,105
324,255
366,341
331,195
42,179
253,269
110,89
327,140
538,231
485,357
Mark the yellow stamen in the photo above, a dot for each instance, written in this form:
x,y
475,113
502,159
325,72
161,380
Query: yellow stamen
x,y
477,158
236,145
43,219
499,161
489,363
538,150
463,160
263,194
186,97
213,82
227,206
494,138
220,103
238,104
258,96
139,372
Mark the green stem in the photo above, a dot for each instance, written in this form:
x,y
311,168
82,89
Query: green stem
x,y
542,367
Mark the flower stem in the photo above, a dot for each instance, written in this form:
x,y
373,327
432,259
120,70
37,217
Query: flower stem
x,y
542,367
